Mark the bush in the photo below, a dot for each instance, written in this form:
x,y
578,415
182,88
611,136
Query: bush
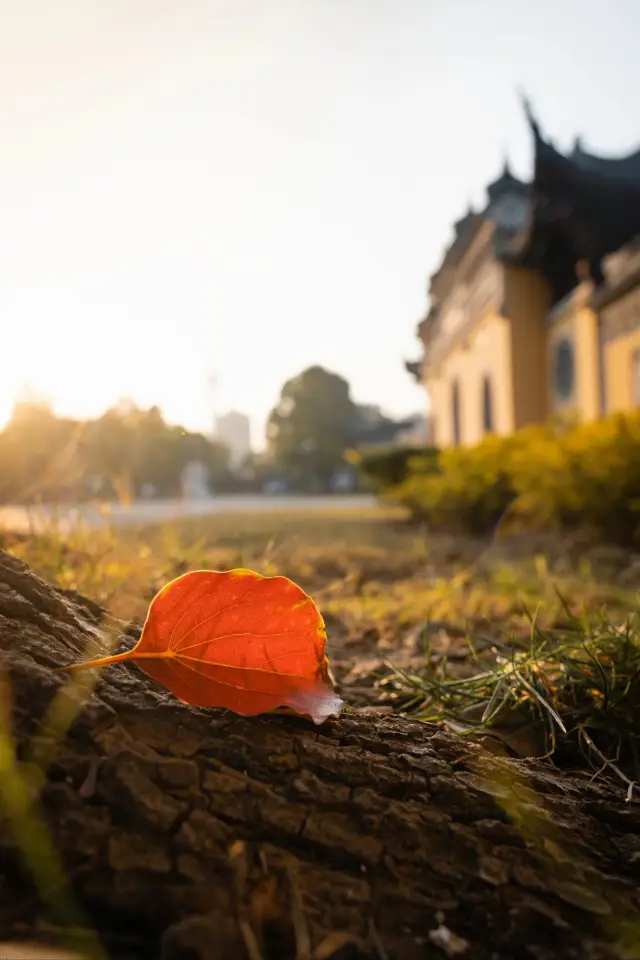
x,y
583,477
387,466
467,494
588,479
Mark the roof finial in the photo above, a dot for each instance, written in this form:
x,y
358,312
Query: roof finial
x,y
506,165
528,112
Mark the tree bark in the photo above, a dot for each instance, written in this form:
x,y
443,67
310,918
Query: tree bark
x,y
187,833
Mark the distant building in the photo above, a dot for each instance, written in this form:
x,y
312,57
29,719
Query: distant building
x,y
234,430
343,480
416,432
373,427
194,481
149,490
535,308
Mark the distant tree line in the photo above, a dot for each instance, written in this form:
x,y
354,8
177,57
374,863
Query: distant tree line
x,y
129,453
122,454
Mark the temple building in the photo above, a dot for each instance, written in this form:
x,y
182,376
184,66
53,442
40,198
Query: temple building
x,y
534,310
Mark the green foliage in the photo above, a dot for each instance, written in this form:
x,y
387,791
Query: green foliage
x,y
309,429
587,477
466,495
389,465
316,427
581,477
48,458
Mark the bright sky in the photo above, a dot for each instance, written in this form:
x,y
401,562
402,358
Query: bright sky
x,y
246,187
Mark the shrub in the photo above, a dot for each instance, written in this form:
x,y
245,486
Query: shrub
x,y
582,477
387,466
469,492
591,481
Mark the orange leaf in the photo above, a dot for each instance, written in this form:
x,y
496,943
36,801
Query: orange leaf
x,y
236,640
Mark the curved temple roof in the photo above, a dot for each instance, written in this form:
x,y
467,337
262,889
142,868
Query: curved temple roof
x,y
582,207
618,171
621,169
578,209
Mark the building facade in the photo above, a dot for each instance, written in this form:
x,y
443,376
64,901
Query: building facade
x,y
535,308
234,430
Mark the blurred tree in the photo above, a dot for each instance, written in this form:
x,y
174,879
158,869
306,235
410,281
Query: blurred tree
x,y
37,452
133,448
310,428
129,452
126,450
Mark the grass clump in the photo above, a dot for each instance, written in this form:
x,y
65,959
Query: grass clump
x,y
571,691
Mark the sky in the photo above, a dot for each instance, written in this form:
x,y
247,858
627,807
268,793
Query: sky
x,y
200,198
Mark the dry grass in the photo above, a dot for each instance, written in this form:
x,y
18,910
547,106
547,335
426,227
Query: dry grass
x,y
365,563
402,606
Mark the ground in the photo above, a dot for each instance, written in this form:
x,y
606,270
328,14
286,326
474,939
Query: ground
x,y
376,578
152,804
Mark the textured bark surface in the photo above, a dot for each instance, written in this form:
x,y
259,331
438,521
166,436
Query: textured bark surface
x,y
197,834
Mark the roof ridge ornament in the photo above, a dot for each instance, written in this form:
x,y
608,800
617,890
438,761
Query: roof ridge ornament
x,y
506,163
528,112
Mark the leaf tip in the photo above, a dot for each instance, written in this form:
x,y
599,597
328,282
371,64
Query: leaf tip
x,y
319,704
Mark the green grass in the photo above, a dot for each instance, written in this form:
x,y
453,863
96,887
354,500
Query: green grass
x,y
570,692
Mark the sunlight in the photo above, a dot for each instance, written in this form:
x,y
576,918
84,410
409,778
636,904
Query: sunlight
x,y
82,351
24,381
6,406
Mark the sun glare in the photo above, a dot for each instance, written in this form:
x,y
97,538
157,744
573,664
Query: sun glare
x,y
8,397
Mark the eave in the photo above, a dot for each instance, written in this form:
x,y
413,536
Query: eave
x,y
414,369
582,208
608,293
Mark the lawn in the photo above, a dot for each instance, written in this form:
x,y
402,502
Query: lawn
x,y
419,624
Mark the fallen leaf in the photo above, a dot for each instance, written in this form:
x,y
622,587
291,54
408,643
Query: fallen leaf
x,y
238,640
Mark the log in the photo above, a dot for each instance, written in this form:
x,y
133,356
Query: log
x,y
190,834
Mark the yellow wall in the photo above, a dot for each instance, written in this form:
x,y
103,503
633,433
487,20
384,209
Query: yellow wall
x,y
526,302
516,348
511,350
618,360
588,363
486,351
579,324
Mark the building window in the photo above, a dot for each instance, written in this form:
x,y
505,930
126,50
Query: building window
x,y
635,378
487,405
564,370
455,411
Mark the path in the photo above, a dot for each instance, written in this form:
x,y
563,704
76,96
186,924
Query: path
x,y
154,511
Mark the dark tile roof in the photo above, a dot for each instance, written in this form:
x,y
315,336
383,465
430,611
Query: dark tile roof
x,y
506,183
621,169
